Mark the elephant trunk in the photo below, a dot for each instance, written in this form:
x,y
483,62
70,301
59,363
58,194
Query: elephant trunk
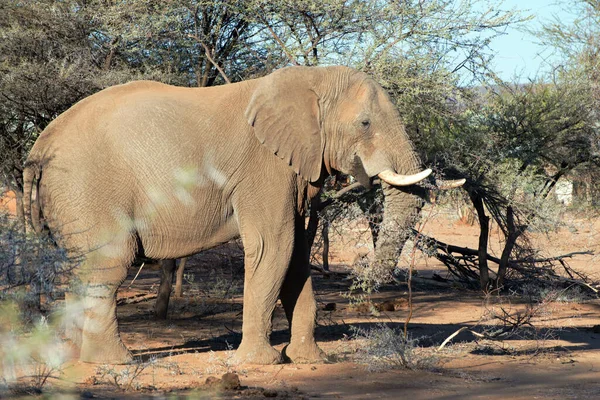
x,y
400,213
401,206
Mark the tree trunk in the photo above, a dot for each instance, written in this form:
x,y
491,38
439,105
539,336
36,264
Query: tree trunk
x,y
16,186
20,214
326,245
511,240
33,299
179,278
484,230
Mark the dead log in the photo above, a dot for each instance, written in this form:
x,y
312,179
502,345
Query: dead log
x,y
138,298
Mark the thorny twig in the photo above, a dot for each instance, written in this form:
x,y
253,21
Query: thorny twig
x,y
210,58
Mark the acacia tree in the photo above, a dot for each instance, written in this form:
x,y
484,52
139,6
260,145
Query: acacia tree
x,y
513,145
53,53
523,138
44,68
48,61
576,41
577,45
184,42
419,51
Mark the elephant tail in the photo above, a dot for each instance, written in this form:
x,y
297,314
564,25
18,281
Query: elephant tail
x,y
31,198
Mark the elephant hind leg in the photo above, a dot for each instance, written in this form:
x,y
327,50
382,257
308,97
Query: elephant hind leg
x,y
72,321
101,274
161,307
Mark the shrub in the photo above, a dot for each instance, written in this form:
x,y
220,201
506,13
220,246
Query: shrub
x,y
384,347
31,269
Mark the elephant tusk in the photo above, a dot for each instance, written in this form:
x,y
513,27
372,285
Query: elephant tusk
x,y
451,184
395,179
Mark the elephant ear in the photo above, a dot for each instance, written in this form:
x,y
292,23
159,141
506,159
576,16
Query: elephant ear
x,y
284,112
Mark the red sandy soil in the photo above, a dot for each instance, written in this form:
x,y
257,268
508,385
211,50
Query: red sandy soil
x,y
561,361
8,202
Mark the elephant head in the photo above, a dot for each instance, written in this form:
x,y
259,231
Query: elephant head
x,y
326,119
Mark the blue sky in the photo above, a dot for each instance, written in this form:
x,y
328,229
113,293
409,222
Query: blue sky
x,y
517,53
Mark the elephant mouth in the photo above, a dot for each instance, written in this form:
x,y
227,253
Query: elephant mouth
x,y
394,179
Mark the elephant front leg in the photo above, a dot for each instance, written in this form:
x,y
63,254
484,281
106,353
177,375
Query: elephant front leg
x,y
298,300
266,264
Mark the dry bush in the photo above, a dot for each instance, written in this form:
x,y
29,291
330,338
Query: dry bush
x,y
123,378
31,269
383,348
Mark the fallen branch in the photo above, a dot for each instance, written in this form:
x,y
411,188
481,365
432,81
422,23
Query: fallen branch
x,y
424,281
555,258
327,273
462,262
578,282
449,338
136,299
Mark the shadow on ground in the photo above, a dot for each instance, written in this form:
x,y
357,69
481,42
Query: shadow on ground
x,y
428,335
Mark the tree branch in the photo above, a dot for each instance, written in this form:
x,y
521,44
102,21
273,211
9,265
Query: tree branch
x,y
280,42
209,57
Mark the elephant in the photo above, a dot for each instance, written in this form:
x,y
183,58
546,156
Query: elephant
x,y
150,169
168,268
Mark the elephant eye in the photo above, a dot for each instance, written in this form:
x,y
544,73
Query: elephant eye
x,y
366,123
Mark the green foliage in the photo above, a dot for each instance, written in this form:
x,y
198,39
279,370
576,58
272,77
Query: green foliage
x,y
543,125
576,41
47,63
169,41
515,142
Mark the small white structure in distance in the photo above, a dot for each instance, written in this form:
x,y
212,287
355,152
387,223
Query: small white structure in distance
x,y
564,191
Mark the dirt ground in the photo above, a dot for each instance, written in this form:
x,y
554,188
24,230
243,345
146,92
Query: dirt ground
x,y
560,359
8,202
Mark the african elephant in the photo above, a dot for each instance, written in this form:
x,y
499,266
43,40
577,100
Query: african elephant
x,y
168,268
150,169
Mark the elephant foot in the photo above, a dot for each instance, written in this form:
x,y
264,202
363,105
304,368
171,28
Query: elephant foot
x,y
104,353
72,350
304,353
256,353
73,337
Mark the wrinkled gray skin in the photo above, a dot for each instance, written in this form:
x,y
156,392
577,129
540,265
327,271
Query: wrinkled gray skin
x,y
147,168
